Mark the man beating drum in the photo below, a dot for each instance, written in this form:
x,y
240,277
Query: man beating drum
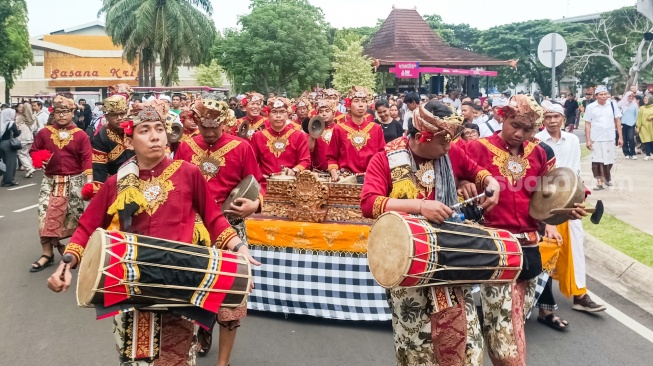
x,y
152,195
416,174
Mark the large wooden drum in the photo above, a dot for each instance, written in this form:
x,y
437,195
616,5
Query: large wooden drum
x,y
410,251
123,268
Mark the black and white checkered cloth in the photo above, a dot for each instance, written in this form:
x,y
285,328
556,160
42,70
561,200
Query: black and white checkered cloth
x,y
542,279
316,283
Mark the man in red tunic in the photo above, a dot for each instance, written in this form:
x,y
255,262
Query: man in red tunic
x,y
253,103
190,127
416,174
303,111
68,176
152,195
224,161
280,148
333,96
320,146
355,140
517,163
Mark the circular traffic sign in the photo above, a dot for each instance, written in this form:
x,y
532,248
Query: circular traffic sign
x,y
552,50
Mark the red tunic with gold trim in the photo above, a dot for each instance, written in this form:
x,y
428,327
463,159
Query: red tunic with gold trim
x,y
378,180
224,164
255,124
319,153
296,125
187,135
288,148
352,146
175,191
517,177
70,147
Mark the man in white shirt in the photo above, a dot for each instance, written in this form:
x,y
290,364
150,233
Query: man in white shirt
x,y
488,128
602,118
570,265
41,115
411,101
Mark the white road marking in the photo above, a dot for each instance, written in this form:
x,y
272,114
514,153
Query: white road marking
x,y
26,208
1,217
624,319
21,187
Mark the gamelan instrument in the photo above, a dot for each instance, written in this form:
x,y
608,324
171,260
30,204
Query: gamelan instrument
x,y
314,126
555,196
247,188
410,251
121,268
243,130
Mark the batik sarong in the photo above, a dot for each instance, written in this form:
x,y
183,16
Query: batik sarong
x,y
154,339
60,205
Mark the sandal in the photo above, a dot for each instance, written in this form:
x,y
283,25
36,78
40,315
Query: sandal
x,y
205,339
554,322
39,267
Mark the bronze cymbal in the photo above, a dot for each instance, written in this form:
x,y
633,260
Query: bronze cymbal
x,y
560,188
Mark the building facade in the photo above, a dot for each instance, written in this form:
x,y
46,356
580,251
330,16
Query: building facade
x,y
79,59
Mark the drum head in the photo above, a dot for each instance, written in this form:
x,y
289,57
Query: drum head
x,y
88,279
247,188
390,249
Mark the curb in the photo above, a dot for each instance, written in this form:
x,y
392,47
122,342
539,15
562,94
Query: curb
x,y
632,274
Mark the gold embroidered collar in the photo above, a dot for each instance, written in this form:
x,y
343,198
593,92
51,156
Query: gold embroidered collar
x,y
210,162
358,138
61,137
155,190
512,167
277,145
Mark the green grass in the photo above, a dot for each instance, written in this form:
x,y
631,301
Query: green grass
x,y
623,237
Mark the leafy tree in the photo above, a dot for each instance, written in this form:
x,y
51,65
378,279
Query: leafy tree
x,y
16,51
350,66
282,43
617,37
209,75
174,31
520,41
456,35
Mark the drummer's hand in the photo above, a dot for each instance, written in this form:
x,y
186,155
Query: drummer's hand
x,y
488,203
243,207
435,211
579,212
244,250
551,233
55,283
334,175
467,189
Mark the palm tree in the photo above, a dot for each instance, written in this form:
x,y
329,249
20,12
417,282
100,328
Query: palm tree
x,y
176,32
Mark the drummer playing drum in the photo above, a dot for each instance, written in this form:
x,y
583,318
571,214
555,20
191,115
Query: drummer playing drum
x,y
224,160
417,174
152,195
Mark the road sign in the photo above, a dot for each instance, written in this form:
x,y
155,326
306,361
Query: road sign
x,y
552,50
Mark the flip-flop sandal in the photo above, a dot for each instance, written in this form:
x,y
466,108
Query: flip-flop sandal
x,y
39,267
557,324
205,340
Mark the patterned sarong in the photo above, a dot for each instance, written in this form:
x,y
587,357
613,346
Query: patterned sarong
x,y
60,205
230,317
154,339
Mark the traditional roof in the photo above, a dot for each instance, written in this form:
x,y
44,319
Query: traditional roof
x,y
406,37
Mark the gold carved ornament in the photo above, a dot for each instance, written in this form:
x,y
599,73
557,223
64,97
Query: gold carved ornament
x,y
426,178
512,167
358,138
210,163
277,145
61,138
155,190
308,196
326,135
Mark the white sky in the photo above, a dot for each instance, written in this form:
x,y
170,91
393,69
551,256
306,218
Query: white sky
x,y
47,15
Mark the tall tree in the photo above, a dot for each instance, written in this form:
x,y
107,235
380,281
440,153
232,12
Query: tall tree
x,y
617,37
282,44
520,41
209,75
456,35
16,51
174,31
350,66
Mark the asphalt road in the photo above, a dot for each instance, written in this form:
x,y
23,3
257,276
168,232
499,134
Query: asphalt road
x,y
40,327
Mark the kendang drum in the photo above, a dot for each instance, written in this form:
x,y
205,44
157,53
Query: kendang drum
x,y
123,268
410,251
